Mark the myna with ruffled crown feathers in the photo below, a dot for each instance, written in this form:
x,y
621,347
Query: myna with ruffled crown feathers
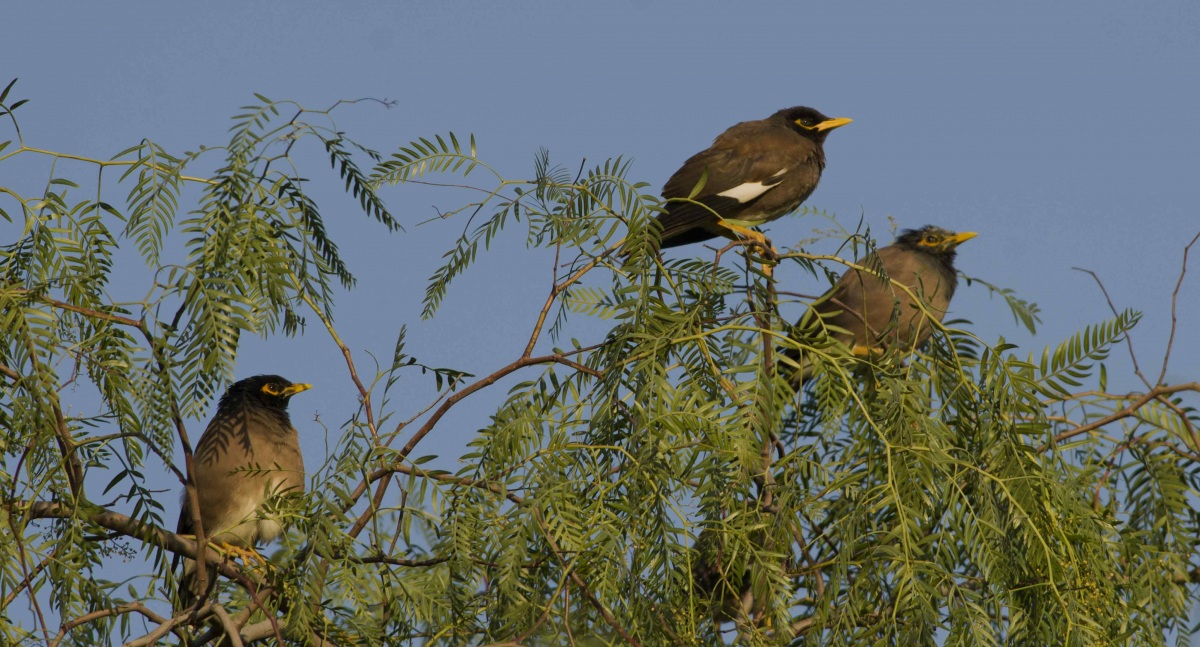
x,y
874,312
248,453
752,174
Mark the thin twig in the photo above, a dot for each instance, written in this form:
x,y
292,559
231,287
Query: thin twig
x,y
363,391
25,583
1124,413
808,558
1128,338
429,425
87,312
591,598
556,290
446,477
1174,300
23,558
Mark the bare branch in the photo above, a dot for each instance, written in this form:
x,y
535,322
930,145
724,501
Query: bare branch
x,y
1128,337
131,528
437,416
133,607
1141,401
232,633
87,312
1174,302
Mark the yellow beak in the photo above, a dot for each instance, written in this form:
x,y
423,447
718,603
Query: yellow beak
x,y
295,388
963,237
830,124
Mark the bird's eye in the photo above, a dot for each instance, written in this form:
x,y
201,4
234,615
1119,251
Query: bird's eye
x,y
931,239
271,389
807,121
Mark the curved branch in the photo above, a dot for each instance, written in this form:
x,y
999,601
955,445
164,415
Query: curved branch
x,y
130,527
425,429
133,607
1152,394
1174,301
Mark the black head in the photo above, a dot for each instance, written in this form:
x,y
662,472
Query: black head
x,y
265,390
938,242
810,123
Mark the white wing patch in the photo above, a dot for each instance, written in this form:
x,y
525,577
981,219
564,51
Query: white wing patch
x,y
748,191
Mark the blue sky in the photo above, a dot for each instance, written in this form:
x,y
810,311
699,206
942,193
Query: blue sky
x,y
1064,133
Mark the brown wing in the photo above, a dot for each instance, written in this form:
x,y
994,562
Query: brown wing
x,y
930,282
750,152
861,304
878,313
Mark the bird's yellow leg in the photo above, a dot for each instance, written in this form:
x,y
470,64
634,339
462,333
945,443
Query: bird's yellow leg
x,y
757,239
867,353
248,555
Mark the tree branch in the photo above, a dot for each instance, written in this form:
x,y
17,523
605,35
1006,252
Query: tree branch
x,y
9,373
133,607
1128,338
129,527
87,312
1174,301
591,598
441,412
1141,401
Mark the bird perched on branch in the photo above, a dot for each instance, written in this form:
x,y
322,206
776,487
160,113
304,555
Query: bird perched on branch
x,y
870,312
752,174
249,452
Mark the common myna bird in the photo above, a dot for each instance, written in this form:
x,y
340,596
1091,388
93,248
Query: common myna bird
x,y
877,314
249,452
752,174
